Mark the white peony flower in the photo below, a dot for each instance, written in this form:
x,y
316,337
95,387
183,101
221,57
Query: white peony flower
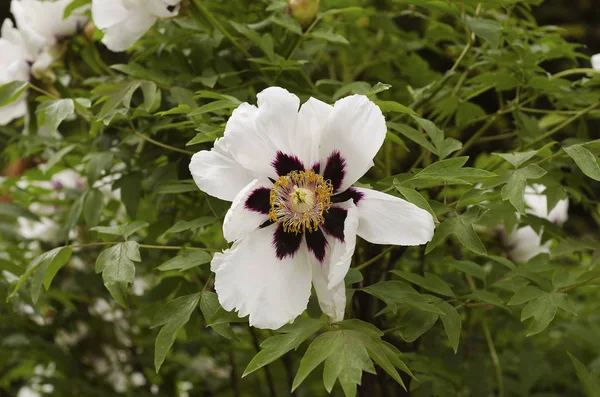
x,y
125,21
14,66
596,62
42,25
524,242
31,47
295,215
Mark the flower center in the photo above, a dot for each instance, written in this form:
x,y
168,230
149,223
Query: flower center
x,y
298,201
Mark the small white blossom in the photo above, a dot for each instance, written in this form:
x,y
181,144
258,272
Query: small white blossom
x,y
295,216
125,21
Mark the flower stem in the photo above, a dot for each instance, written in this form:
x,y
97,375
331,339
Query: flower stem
x,y
217,25
374,259
574,71
163,145
494,356
560,126
148,246
43,91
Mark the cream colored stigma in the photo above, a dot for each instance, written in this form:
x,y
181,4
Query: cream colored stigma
x,y
299,200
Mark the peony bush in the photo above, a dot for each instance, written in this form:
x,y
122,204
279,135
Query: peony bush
x,y
303,198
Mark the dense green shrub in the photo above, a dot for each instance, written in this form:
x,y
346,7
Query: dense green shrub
x,y
106,242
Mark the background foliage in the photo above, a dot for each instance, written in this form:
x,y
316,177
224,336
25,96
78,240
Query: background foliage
x,y
458,81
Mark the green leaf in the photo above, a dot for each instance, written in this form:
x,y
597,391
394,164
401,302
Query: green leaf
x,y
347,363
287,22
291,337
398,293
589,381
185,261
73,216
436,135
377,88
10,92
487,29
137,71
53,112
98,164
329,37
118,269
430,282
73,6
125,230
487,297
585,160
517,158
131,191
525,294
416,198
452,324
182,226
318,351
415,323
216,317
56,157
214,106
172,316
43,268
470,268
93,206
391,106
514,190
413,135
465,233
543,309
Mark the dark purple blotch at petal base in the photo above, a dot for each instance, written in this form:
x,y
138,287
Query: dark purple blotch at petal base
x,y
334,222
317,244
335,170
346,195
285,163
286,244
259,200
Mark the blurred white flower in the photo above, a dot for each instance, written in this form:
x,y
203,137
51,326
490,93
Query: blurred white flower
x,y
125,21
524,243
138,379
31,47
596,62
43,27
14,66
44,230
28,392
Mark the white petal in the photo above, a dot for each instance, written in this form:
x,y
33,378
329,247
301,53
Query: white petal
x,y
160,8
524,243
386,219
356,128
241,220
107,13
13,111
42,21
596,62
312,118
332,301
123,23
250,278
256,134
218,174
339,254
538,205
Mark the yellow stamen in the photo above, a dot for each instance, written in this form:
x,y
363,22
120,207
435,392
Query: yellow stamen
x,y
299,200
